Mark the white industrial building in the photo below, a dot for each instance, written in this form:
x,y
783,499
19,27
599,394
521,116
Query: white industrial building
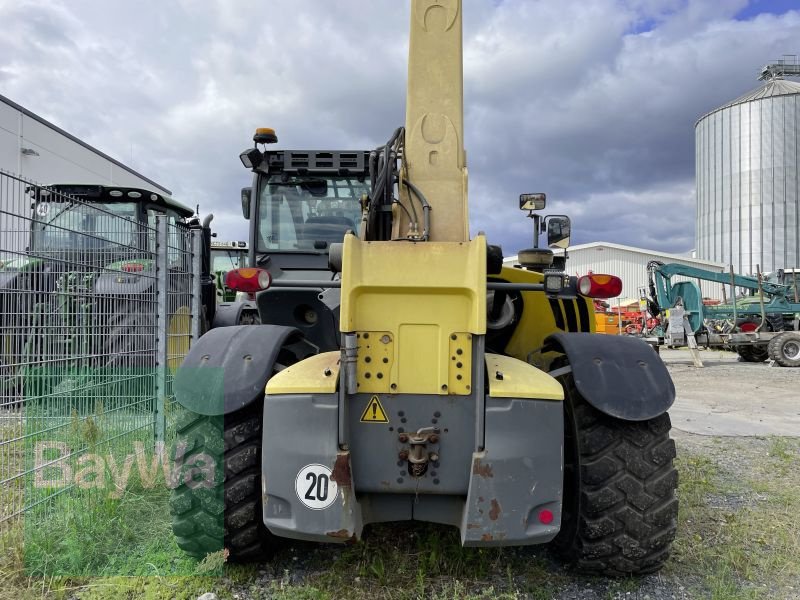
x,y
37,150
630,265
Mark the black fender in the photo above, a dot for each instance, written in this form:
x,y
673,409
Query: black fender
x,y
619,376
228,368
229,313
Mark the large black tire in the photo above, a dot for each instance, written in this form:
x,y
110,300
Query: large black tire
x,y
129,336
228,514
753,353
15,327
22,320
784,349
620,510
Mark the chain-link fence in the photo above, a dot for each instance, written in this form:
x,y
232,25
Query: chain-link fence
x,y
97,308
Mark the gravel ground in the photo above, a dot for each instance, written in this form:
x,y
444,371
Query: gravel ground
x,y
731,398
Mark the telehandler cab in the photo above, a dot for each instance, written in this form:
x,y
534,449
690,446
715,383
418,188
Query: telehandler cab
x,y
402,373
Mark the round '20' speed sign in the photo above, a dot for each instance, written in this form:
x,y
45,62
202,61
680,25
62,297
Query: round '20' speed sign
x,y
315,488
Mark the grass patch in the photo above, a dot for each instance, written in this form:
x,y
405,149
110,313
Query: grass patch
x,y
82,535
738,538
425,561
740,528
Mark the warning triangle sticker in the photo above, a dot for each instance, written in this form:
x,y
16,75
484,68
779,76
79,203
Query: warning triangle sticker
x,y
374,412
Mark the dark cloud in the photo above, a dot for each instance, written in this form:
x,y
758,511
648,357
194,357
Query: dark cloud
x,y
593,102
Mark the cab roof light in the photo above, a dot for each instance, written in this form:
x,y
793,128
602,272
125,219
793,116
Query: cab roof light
x,y
248,280
265,135
596,285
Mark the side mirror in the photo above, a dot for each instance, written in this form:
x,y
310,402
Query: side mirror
x,y
532,201
558,232
246,195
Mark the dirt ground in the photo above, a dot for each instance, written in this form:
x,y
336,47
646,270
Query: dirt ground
x,y
731,398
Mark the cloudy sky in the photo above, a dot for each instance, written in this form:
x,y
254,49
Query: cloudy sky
x,y
591,101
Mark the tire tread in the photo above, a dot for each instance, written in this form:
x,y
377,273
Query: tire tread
x,y
625,517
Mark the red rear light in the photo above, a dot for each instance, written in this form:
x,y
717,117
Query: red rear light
x,y
133,267
248,280
600,286
545,516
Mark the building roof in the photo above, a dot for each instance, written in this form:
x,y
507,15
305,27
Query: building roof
x,y
79,141
643,251
772,88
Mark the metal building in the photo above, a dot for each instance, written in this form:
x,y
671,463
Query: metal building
x,y
747,158
37,150
630,265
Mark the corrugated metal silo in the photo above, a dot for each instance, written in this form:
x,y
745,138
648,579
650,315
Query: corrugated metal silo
x,y
747,158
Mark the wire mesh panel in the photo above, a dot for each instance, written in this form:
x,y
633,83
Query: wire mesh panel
x,y
96,312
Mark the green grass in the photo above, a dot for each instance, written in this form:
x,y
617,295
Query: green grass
x,y
739,538
740,533
88,536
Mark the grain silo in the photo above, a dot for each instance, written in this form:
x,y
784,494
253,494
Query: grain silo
x,y
747,158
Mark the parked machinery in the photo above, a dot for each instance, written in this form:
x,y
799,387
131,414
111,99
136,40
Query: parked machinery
x,y
83,284
433,383
760,326
227,256
233,308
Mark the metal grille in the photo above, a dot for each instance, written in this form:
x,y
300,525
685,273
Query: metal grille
x,y
97,308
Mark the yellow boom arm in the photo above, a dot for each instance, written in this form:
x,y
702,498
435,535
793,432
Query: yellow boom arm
x,y
435,160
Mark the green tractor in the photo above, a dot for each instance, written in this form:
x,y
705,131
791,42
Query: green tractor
x,y
81,294
233,308
227,256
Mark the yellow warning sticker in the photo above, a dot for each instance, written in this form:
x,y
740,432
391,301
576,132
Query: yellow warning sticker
x,y
374,412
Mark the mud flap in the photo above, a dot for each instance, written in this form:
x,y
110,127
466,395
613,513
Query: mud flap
x,y
515,487
619,376
307,482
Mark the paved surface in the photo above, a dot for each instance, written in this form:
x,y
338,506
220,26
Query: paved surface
x,y
727,397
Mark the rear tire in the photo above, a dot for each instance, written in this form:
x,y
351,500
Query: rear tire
x,y
784,349
620,510
130,334
754,354
229,514
750,352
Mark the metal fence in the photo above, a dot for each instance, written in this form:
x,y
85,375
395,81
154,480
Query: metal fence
x,y
97,309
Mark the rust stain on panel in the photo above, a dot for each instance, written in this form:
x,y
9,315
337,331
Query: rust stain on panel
x,y
494,513
341,470
343,534
480,469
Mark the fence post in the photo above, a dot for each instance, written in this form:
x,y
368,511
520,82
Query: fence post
x,y
162,317
196,303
